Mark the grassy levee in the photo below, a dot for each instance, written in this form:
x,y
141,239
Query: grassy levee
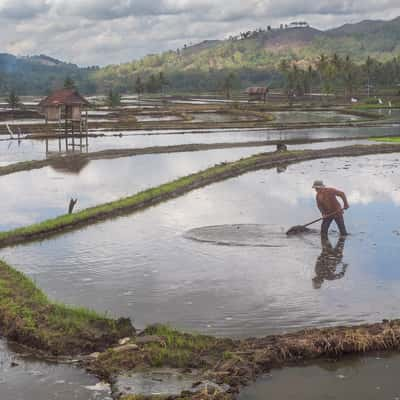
x,y
178,187
29,318
386,139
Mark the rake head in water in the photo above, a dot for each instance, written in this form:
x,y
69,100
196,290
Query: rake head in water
x,y
297,230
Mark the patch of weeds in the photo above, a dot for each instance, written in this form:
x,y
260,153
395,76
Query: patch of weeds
x,y
174,349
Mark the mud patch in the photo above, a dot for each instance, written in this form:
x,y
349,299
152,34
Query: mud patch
x,y
252,235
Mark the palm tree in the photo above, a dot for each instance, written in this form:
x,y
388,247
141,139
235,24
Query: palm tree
x,y
322,63
228,85
139,87
368,66
113,99
348,77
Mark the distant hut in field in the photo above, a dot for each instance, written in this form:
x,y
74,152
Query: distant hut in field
x,y
69,109
257,93
66,106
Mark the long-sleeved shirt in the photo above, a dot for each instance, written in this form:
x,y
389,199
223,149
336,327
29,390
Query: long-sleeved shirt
x,y
328,203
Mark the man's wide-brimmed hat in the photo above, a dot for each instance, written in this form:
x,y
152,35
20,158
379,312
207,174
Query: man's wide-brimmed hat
x,y
318,185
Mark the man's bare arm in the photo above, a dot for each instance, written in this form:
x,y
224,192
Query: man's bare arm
x,y
342,195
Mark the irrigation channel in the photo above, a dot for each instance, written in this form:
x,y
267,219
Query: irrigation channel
x,y
22,378
144,266
356,378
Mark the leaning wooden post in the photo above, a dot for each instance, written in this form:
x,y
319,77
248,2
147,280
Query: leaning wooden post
x,y
71,205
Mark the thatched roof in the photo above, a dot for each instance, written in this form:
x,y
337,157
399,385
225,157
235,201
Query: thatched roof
x,y
66,97
257,90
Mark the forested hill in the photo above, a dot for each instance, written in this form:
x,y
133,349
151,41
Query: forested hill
x,y
253,57
40,74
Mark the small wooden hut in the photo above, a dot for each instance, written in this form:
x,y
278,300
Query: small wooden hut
x,y
67,107
258,93
64,105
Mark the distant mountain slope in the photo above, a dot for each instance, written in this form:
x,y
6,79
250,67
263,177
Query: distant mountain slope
x,y
39,74
379,39
265,49
206,44
366,27
289,38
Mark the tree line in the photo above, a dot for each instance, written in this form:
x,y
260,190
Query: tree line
x,y
335,74
326,73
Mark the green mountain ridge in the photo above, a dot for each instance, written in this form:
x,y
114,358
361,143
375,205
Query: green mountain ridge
x,y
254,57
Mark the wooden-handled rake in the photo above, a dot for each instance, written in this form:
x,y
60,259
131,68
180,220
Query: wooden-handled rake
x,y
295,230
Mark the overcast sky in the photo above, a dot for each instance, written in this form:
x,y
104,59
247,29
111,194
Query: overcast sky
x,y
89,32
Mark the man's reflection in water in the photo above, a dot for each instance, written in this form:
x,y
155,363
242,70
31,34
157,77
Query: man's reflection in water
x,y
329,265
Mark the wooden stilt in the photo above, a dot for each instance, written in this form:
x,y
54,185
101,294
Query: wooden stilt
x,y
73,136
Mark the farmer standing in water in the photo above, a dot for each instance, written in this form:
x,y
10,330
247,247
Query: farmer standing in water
x,y
330,207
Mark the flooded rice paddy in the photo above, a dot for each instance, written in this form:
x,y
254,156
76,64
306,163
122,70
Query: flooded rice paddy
x,y
12,151
49,189
220,117
313,117
143,266
369,378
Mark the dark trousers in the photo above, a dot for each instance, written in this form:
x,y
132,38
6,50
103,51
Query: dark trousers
x,y
326,223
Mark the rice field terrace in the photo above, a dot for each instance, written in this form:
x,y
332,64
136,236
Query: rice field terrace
x,y
155,113
147,258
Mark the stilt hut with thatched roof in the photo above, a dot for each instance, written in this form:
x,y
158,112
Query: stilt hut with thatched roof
x,y
67,107
64,105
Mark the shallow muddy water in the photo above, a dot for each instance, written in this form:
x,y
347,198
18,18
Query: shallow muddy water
x,y
369,378
24,378
392,114
144,267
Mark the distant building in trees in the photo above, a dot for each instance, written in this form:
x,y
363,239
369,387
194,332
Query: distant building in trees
x,y
258,93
